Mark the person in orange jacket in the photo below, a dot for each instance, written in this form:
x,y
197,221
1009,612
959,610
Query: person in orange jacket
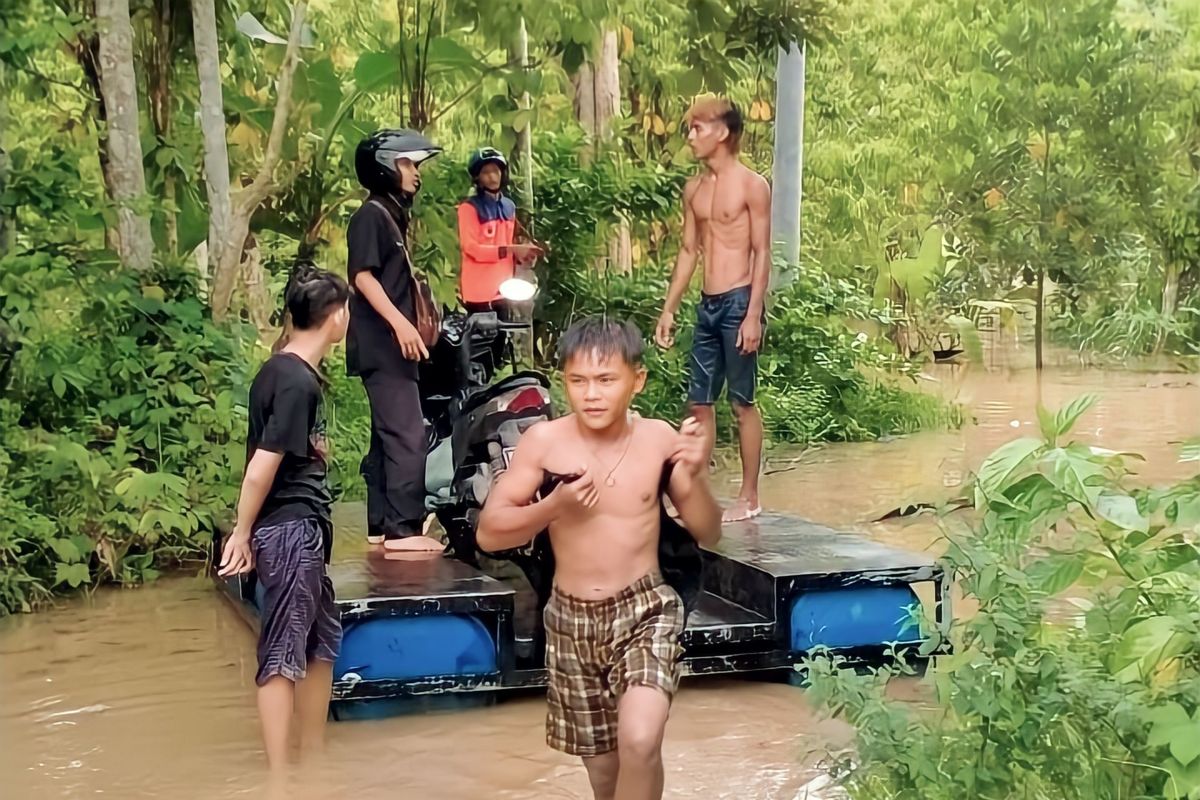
x,y
487,225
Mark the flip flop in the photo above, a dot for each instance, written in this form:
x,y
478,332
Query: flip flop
x,y
750,514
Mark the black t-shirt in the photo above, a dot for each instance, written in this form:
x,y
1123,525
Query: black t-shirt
x,y
376,244
285,417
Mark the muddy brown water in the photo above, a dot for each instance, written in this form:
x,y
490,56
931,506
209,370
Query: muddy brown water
x,y
149,693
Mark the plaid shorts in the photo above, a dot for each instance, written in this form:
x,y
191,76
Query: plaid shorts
x,y
596,649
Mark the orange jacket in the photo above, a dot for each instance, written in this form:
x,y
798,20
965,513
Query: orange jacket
x,y
486,259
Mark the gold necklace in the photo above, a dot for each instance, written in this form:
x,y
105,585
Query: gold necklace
x,y
609,480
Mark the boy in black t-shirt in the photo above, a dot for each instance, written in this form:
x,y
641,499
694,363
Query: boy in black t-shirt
x,y
283,523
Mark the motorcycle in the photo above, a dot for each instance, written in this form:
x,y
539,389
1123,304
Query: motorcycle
x,y
473,425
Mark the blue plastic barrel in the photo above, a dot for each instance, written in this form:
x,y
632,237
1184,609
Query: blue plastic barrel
x,y
404,648
854,617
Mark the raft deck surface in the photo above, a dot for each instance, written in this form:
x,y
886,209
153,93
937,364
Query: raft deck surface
x,y
740,623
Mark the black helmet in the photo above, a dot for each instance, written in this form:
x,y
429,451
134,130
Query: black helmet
x,y
375,158
486,155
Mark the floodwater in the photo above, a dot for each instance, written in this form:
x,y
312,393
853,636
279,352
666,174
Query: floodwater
x,y
149,693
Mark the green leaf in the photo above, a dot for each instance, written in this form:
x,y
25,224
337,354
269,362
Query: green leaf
x,y
1185,743
690,82
66,550
1185,511
58,385
1184,780
1163,719
996,468
1074,473
520,120
449,52
1048,425
375,70
1066,418
1144,646
72,574
184,394
1057,573
1121,510
76,453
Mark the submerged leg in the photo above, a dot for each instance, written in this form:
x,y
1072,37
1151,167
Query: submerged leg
x,y
275,700
602,773
312,704
642,720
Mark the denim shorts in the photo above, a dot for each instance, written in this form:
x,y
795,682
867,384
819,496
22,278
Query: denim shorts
x,y
299,617
715,359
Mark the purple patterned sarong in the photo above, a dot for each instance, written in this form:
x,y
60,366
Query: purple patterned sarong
x,y
299,617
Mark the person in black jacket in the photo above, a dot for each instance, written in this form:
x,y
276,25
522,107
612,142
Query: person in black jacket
x,y
383,346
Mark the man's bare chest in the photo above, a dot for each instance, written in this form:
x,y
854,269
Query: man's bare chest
x,y
625,488
719,204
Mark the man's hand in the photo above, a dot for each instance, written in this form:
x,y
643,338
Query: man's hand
x,y
409,340
691,448
749,334
236,556
578,489
525,252
664,332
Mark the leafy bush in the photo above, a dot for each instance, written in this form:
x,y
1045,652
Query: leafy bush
x,y
1049,694
123,424
348,417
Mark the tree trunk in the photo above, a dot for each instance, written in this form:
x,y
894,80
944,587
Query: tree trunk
x,y
245,203
212,126
598,92
518,52
6,225
597,104
787,177
86,49
118,85
159,49
1170,299
257,292
1039,316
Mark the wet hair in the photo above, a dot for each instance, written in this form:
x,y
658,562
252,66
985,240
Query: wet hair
x,y
713,108
603,337
313,294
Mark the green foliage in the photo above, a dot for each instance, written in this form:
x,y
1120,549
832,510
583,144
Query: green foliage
x,y
1078,676
348,418
123,425
819,379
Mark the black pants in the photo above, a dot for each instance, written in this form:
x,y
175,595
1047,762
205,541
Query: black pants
x,y
394,467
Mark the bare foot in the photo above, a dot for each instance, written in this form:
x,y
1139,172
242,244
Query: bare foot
x,y
415,544
742,509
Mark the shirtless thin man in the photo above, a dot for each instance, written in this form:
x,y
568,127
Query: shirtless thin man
x,y
612,623
727,219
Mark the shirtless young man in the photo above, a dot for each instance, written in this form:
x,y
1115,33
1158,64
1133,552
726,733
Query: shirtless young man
x,y
727,219
612,624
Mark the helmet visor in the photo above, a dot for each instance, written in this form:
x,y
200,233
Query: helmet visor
x,y
388,157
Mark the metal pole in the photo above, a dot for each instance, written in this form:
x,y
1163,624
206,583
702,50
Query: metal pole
x,y
788,174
